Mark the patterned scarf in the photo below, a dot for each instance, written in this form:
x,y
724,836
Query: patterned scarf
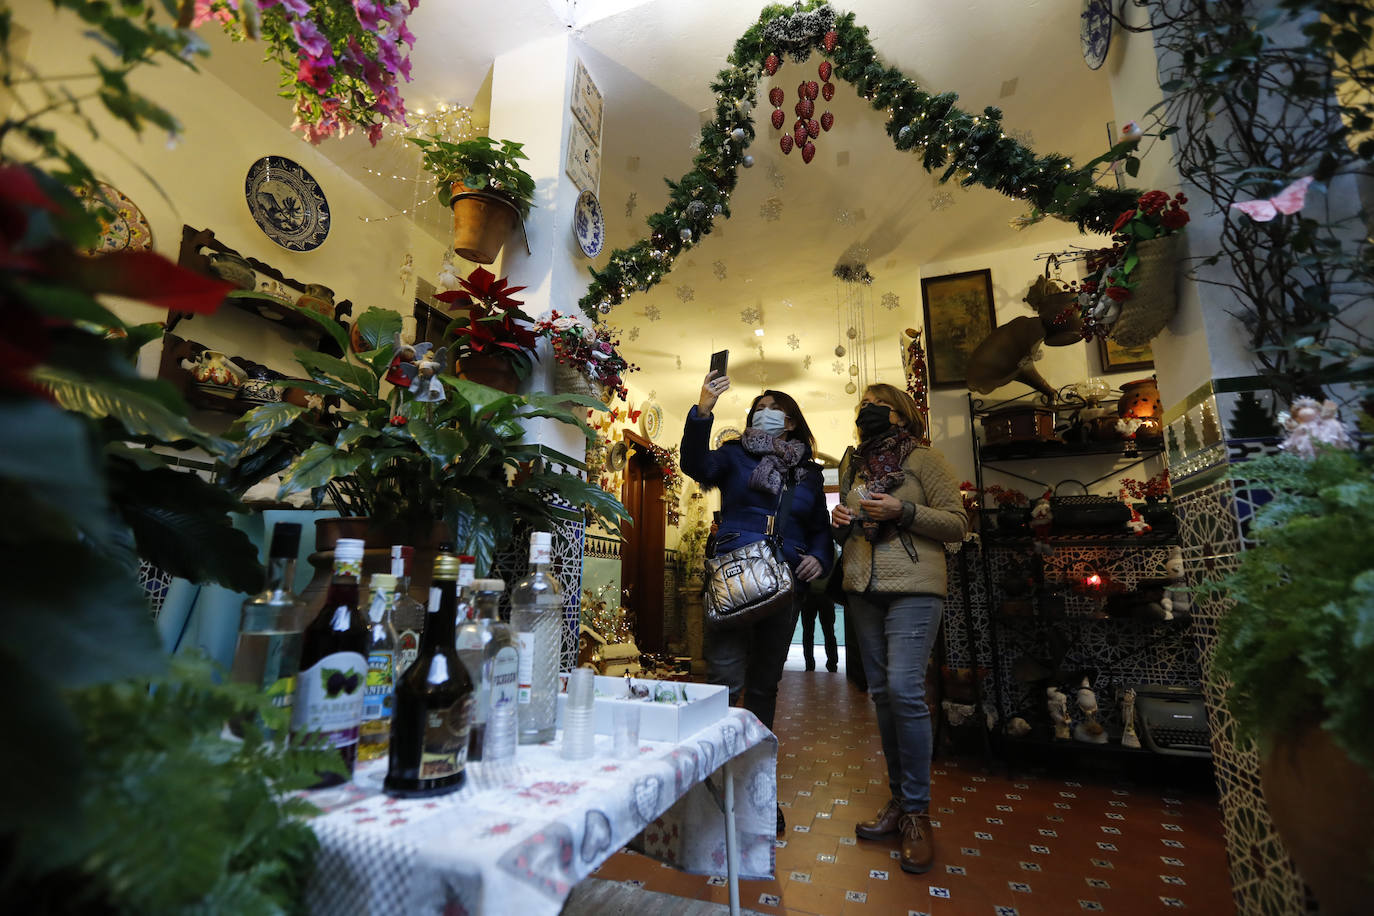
x,y
776,455
881,459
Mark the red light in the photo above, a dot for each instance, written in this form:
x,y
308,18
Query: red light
x,y
1093,581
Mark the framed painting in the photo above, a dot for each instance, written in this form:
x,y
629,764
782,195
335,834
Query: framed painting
x,y
1116,358
959,314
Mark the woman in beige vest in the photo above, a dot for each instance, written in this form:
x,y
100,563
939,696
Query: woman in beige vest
x,y
899,504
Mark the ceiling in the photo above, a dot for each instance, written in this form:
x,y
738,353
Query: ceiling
x,y
769,265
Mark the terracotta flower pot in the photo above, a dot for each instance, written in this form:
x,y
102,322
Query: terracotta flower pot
x,y
1322,803
492,371
481,223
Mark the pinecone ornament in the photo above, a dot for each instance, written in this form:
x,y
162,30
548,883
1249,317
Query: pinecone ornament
x,y
828,91
832,38
776,95
786,144
805,108
824,71
778,118
827,121
799,132
813,128
771,64
812,89
808,152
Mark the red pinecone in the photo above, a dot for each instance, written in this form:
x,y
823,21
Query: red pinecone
x,y
786,144
808,151
824,70
813,128
827,121
776,95
778,117
828,91
771,64
832,38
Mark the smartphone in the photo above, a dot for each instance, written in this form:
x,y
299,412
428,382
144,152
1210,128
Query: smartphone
x,y
719,360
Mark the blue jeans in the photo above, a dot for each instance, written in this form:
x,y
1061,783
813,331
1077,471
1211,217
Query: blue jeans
x,y
896,635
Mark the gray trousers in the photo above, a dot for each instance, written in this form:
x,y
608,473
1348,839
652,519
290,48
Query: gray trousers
x,y
749,660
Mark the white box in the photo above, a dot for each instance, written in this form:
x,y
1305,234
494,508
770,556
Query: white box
x,y
706,703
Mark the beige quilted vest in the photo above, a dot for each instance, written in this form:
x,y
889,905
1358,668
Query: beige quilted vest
x,y
912,561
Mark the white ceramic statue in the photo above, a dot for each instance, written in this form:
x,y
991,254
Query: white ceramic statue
x,y
1128,735
1088,729
1177,603
1059,712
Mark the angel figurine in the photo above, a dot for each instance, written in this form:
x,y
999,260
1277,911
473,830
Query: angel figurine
x,y
1059,712
1088,729
424,373
1128,735
406,355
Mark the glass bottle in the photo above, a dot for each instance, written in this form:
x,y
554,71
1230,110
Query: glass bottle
x,y
375,731
500,663
268,652
537,618
429,729
329,688
407,614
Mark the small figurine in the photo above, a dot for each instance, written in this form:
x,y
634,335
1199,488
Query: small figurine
x,y
1059,712
1042,521
422,375
1128,735
448,274
1137,523
1310,424
1088,729
1176,603
406,355
1018,727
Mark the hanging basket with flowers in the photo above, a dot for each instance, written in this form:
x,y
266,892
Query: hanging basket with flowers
x,y
587,359
1129,294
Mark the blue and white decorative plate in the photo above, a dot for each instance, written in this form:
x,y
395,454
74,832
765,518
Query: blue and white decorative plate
x,y
287,203
1095,31
650,420
589,225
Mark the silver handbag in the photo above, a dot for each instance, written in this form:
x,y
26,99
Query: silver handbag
x,y
751,582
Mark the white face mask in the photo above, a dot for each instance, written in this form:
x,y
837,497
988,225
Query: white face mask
x,y
770,420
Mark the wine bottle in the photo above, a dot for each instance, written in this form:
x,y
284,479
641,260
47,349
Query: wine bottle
x,y
375,732
500,664
537,618
429,729
407,614
329,688
269,645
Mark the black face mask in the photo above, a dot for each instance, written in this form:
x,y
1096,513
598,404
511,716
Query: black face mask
x,y
873,420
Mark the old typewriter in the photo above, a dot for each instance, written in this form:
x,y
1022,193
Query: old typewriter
x,y
1172,720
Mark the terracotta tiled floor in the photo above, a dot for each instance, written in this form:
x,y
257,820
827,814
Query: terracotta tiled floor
x,y
1032,844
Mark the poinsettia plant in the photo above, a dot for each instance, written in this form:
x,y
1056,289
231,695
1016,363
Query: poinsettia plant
x,y
1155,215
1157,487
588,347
492,323
340,59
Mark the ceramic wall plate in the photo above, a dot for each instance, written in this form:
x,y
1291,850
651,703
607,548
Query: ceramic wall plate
x,y
650,420
123,227
589,225
1095,31
287,203
725,435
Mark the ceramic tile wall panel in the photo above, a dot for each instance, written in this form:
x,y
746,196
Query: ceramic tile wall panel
x,y
154,582
512,562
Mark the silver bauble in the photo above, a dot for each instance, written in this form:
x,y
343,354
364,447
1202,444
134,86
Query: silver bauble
x,y
737,135
851,333
686,233
853,370
850,388
748,162
839,349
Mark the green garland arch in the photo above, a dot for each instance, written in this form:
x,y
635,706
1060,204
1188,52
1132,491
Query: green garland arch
x,y
973,148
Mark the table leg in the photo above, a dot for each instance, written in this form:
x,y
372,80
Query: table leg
x,y
731,840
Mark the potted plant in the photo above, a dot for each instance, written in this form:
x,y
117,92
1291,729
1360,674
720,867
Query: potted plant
x,y
588,362
1013,508
408,460
481,180
1296,660
491,338
1157,509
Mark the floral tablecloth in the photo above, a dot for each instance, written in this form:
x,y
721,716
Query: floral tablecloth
x,y
519,835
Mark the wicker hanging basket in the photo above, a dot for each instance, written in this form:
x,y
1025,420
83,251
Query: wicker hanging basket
x,y
1154,299
567,380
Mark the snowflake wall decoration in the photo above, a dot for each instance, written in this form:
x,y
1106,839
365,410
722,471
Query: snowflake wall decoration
x,y
837,367
771,209
1022,136
778,178
634,333
652,312
941,200
891,301
718,268
751,315
806,361
793,342
686,293
630,203
844,217
679,362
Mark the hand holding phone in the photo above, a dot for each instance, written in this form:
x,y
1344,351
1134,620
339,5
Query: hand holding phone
x,y
712,387
719,361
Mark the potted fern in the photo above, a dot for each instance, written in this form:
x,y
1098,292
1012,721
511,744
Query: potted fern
x,y
482,182
1295,656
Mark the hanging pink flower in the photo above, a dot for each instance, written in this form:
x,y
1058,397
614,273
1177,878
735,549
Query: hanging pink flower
x,y
315,76
369,14
309,37
387,53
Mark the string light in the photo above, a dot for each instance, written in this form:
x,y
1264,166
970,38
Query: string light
x,y
447,122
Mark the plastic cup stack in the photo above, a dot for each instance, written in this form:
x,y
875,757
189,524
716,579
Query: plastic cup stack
x,y
625,721
579,723
502,733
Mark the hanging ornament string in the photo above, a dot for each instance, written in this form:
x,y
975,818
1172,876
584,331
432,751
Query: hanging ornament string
x,y
450,122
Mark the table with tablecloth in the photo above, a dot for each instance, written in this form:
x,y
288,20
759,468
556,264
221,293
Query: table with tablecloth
x,y
520,834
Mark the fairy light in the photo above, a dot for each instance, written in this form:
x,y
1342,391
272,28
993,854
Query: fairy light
x,y
447,122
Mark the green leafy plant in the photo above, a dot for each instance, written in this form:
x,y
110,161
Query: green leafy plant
x,y
1297,644
478,164
406,463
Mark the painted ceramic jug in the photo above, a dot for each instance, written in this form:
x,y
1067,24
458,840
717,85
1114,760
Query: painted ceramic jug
x,y
214,368
317,298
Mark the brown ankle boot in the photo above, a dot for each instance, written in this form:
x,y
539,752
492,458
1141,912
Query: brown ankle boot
x,y
918,846
884,823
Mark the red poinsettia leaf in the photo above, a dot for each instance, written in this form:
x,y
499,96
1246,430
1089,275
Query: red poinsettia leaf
x,y
148,277
19,186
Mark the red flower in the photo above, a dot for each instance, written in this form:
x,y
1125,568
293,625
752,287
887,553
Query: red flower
x,y
1174,218
1119,293
1122,220
1152,202
398,420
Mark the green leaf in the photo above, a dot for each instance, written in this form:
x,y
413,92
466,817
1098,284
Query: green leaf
x,y
1132,166
356,377
48,454
379,327
66,303
121,399
331,327
319,464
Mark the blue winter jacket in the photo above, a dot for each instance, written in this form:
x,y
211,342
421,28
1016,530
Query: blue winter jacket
x,y
744,510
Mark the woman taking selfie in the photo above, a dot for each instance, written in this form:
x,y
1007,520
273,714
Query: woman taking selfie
x,y
751,473
899,504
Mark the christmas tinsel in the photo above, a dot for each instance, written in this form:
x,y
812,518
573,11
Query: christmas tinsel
x,y
950,142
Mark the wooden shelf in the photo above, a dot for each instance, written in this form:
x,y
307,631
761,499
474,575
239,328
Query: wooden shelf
x,y
1021,451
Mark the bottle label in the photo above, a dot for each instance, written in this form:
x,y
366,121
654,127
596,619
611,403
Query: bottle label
x,y
525,685
433,600
465,576
329,698
382,598
540,554
282,692
348,566
407,648
381,684
505,676
469,637
446,740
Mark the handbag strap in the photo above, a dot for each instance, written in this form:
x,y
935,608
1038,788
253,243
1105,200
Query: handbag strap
x,y
780,517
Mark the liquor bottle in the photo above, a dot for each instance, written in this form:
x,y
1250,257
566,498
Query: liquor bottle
x,y
375,731
469,638
329,688
500,667
269,644
407,614
537,618
429,729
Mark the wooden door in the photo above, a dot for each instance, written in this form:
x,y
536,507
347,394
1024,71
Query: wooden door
x,y
641,561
